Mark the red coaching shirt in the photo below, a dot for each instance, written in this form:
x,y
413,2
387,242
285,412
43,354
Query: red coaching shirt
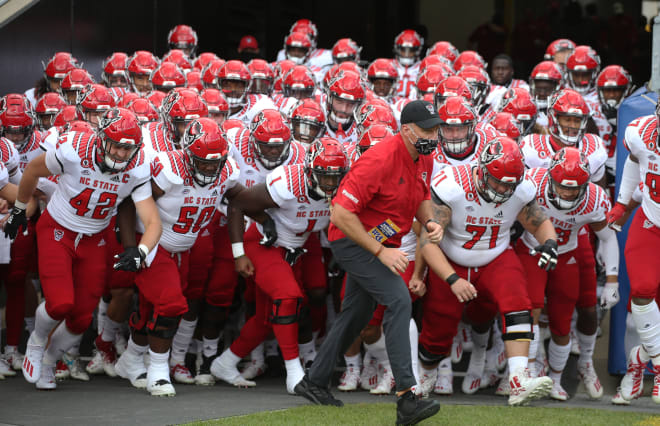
x,y
384,189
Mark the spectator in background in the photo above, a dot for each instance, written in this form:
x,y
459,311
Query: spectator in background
x,y
489,39
248,49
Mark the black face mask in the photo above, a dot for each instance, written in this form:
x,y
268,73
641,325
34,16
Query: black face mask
x,y
246,57
424,146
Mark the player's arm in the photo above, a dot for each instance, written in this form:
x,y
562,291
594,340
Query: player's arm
x,y
236,228
532,218
147,211
608,255
252,201
156,191
425,215
126,223
9,193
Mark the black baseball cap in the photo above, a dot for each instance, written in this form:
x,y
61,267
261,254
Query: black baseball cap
x,y
421,113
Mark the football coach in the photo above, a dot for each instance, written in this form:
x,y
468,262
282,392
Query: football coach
x,y
374,207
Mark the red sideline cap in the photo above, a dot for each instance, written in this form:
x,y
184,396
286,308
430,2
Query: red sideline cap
x,y
248,42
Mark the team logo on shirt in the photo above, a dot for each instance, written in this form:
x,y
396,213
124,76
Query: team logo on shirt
x,y
58,234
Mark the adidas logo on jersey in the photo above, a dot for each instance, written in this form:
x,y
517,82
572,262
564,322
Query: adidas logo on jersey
x,y
206,233
215,193
101,243
647,224
115,178
571,220
571,261
499,215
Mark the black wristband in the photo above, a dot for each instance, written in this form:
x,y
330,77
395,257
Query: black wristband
x,y
452,278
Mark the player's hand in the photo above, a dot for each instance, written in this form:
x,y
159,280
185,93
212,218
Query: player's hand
x,y
548,252
615,216
293,254
417,286
270,232
16,221
4,206
435,231
131,260
394,259
244,266
610,295
464,290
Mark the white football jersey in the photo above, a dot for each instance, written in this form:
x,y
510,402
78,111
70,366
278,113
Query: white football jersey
x,y
30,150
641,139
407,78
567,223
254,104
479,231
155,139
538,152
85,198
298,214
186,207
605,131
319,58
10,158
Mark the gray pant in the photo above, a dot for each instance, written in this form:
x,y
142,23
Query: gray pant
x,y
368,282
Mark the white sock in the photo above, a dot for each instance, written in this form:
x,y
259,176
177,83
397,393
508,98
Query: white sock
x,y
534,344
294,372
210,347
109,330
413,335
558,355
377,349
478,357
587,344
271,347
445,364
29,324
353,361
257,354
230,358
516,362
135,349
158,367
101,316
43,325
555,376
182,340
10,349
647,323
307,351
62,340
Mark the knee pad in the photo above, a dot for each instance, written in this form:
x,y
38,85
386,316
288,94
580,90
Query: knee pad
x,y
518,326
428,357
214,316
163,327
286,311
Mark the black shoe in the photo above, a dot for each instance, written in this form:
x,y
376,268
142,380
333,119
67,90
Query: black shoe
x,y
205,368
316,394
410,409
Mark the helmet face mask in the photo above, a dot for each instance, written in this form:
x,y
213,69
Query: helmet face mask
x,y
457,125
119,140
206,150
270,137
500,170
571,128
569,176
326,163
305,131
568,115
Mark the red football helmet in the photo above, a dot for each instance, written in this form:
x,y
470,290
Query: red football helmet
x,y
559,50
127,98
167,76
203,59
194,81
345,49
67,114
119,140
383,76
156,97
183,37
469,57
232,123
178,57
546,77
370,113
500,170
93,101
206,149
457,124
179,108
217,105
567,103
408,47
270,136
582,69
47,108
452,86
305,26
439,61
140,67
337,68
57,67
569,178
210,73
77,126
299,83
144,110
428,80
73,82
234,80
372,135
326,163
614,84
479,82
507,125
262,77
115,70
444,49
297,47
519,102
345,93
307,121
17,119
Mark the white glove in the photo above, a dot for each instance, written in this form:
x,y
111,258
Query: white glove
x,y
609,296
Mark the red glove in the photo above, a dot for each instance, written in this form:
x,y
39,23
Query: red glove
x,y
615,215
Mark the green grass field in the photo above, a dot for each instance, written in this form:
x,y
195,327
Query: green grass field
x,y
384,414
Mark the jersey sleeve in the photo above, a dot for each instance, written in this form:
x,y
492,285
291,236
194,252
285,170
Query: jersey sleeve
x,y
276,185
233,173
161,171
57,158
4,176
526,191
445,189
142,189
361,183
632,139
603,204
